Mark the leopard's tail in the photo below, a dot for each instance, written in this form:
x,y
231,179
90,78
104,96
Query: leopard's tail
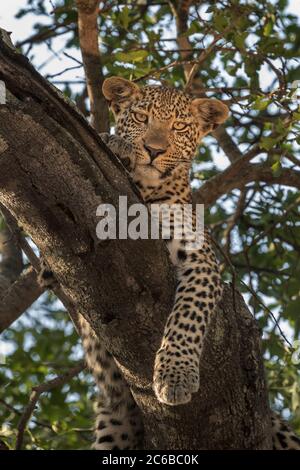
x,y
283,437
118,419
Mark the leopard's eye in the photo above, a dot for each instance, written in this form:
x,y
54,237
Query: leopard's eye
x,y
180,126
140,117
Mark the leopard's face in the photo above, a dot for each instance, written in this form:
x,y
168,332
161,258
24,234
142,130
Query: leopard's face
x,y
160,123
165,125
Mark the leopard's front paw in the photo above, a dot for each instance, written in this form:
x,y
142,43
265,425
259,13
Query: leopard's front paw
x,y
46,277
175,378
122,148
105,137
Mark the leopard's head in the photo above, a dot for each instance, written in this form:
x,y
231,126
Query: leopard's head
x,y
165,124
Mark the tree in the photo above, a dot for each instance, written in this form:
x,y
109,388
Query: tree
x,y
250,203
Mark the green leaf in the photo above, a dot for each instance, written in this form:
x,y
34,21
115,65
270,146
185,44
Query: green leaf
x,y
276,168
124,17
220,21
132,56
268,28
295,396
267,143
239,39
194,28
261,103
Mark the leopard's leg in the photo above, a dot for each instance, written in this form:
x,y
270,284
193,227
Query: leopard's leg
x,y
283,437
122,148
45,276
118,419
176,370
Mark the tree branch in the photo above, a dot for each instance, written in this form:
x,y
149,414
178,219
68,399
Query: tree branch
x,y
123,288
19,413
18,298
180,11
11,264
224,182
35,262
227,144
88,40
35,395
240,173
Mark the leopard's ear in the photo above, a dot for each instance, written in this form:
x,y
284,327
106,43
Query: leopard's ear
x,y
209,112
119,92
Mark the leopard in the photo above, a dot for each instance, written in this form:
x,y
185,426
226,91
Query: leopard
x,y
157,133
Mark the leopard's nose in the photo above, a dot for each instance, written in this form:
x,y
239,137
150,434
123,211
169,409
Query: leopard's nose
x,y
153,152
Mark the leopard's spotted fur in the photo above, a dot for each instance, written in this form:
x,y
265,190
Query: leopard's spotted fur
x,y
162,127
157,132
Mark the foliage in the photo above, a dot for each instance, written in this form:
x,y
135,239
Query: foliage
x,y
44,344
253,66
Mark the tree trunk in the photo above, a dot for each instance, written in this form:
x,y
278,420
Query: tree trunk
x,y
54,172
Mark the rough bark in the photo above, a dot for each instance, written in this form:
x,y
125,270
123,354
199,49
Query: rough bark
x,y
11,264
18,298
52,178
